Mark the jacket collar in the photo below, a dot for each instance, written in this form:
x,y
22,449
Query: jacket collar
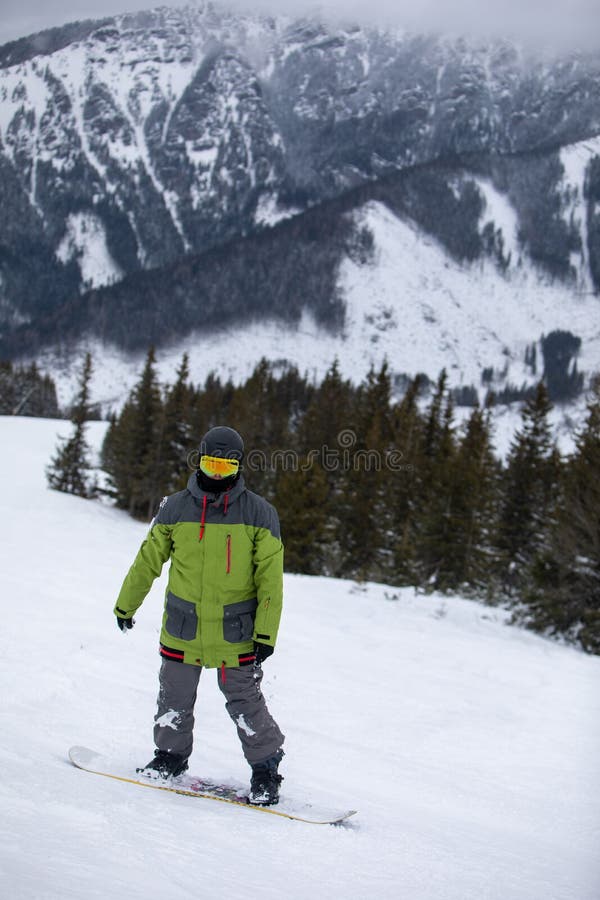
x,y
215,499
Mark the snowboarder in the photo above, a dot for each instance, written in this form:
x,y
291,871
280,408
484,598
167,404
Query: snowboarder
x,y
222,609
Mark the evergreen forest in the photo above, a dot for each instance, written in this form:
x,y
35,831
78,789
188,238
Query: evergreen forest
x,y
25,391
369,487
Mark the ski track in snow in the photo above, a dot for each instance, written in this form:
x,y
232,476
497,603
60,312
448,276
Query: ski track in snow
x,y
471,749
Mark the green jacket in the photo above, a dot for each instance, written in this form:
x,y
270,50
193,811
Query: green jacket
x,y
225,586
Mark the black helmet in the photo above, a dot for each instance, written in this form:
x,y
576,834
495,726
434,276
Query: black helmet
x,y
222,441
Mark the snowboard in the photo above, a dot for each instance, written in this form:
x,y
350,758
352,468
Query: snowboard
x,y
192,786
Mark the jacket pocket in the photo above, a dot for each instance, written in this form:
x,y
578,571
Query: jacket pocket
x,y
182,619
238,621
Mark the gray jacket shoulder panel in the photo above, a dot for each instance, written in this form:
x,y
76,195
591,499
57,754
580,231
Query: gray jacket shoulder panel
x,y
172,508
262,514
247,508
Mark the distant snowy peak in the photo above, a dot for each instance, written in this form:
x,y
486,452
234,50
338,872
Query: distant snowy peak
x,y
157,105
152,100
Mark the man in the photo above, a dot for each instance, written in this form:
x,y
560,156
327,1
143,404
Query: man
x,y
222,609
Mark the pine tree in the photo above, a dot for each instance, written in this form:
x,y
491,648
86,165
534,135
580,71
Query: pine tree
x,y
408,429
26,392
433,435
529,491
302,499
210,405
176,431
255,411
322,433
474,507
69,469
365,514
565,597
132,449
328,425
433,528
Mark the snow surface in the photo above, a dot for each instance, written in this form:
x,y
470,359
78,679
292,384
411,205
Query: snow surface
x,y
470,748
85,240
575,160
413,306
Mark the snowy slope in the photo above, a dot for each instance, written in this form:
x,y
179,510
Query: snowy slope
x,y
426,312
471,749
412,305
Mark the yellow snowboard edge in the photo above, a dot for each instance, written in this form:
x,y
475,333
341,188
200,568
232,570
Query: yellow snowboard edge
x,y
187,793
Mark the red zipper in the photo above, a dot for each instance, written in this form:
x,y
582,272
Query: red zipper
x,y
228,555
203,518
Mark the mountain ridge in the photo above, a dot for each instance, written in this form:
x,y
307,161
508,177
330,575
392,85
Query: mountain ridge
x,y
169,141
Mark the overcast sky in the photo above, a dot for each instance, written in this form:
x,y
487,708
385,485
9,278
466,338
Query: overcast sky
x,y
571,20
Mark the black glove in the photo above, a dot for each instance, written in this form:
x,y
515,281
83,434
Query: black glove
x,y
262,651
123,622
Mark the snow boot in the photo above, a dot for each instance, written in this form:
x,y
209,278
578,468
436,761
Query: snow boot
x,y
264,785
164,765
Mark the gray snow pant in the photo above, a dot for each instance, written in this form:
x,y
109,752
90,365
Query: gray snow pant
x,y
174,721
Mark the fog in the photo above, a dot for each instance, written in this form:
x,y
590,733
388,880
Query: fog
x,y
574,22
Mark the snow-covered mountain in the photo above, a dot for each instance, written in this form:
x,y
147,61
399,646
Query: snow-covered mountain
x,y
470,748
183,172
410,304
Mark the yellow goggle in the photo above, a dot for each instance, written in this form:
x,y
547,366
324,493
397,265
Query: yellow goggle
x,y
219,466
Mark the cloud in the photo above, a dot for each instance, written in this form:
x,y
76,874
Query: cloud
x,y
576,21
573,21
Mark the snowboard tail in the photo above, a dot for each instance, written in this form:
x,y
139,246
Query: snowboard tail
x,y
192,786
